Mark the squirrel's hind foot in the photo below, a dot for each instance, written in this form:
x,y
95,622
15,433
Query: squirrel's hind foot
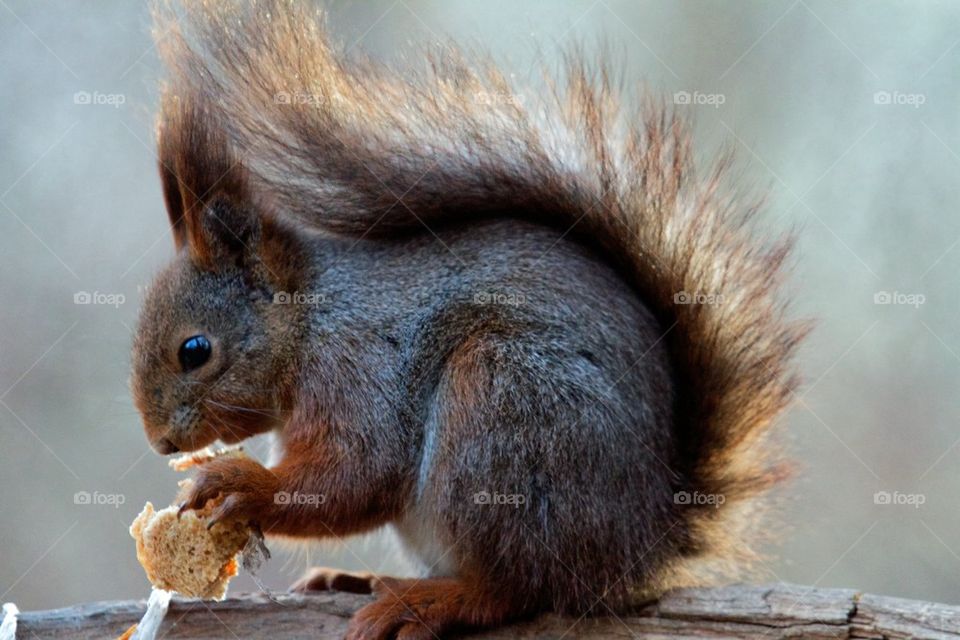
x,y
328,579
411,609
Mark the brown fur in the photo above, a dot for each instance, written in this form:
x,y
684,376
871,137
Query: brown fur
x,y
370,158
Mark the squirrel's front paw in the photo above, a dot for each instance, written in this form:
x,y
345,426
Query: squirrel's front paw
x,y
245,487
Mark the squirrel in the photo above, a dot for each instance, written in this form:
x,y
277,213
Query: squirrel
x,y
533,339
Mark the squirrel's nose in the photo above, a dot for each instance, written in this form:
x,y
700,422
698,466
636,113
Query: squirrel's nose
x,y
163,446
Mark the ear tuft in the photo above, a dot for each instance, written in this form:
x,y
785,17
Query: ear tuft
x,y
204,184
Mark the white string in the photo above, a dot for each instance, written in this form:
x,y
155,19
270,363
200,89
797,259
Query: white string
x,y
8,629
149,625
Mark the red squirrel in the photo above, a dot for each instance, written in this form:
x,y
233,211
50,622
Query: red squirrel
x,y
529,337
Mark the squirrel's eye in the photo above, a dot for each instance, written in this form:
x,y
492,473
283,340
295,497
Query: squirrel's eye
x,y
194,352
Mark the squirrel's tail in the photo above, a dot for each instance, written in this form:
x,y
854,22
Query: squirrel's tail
x,y
344,145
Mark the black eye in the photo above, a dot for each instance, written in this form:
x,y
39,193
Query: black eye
x,y
194,352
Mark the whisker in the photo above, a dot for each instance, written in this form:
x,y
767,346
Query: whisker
x,y
224,425
232,407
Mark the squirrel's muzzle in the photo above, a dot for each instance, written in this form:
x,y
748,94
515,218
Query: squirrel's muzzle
x,y
164,446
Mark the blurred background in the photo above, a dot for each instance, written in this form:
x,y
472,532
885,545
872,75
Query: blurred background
x,y
845,113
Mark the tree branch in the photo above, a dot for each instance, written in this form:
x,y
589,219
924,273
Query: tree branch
x,y
739,612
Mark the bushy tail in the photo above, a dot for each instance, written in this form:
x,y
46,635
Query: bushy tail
x,y
347,146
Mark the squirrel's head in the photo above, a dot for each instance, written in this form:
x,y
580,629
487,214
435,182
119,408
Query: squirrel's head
x,y
213,350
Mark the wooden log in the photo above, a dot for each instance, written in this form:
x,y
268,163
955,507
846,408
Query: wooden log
x,y
737,611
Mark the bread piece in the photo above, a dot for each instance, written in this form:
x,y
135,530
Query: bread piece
x,y
196,458
182,555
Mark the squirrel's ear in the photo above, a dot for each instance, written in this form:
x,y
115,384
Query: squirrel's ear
x,y
174,203
209,209
230,233
282,255
221,232
204,183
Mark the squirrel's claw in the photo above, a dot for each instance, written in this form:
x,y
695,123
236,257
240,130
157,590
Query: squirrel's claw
x,y
230,508
198,496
